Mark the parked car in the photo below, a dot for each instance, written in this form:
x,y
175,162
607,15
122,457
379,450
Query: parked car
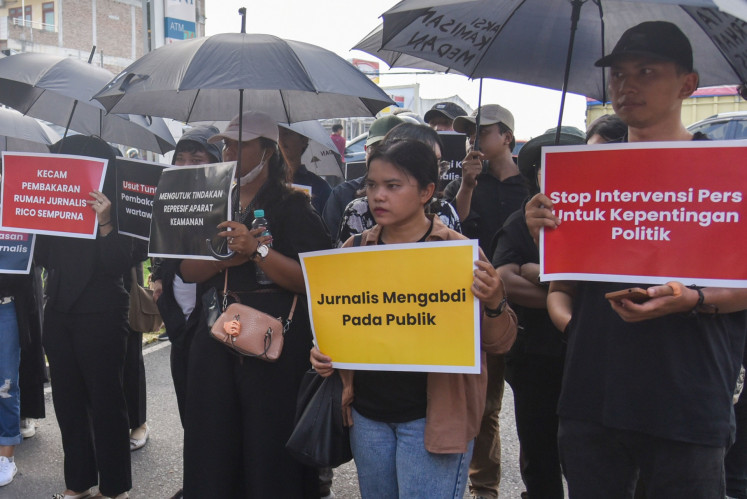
x,y
723,126
355,149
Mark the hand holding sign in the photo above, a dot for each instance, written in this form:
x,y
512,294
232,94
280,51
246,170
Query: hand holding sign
x,y
103,208
487,285
538,214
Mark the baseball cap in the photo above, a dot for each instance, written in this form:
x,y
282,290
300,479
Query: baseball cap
x,y
254,124
490,114
447,109
657,39
380,127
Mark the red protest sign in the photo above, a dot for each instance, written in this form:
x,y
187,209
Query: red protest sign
x,y
647,213
47,193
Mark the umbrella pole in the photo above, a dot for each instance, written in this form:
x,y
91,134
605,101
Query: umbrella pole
x,y
476,147
75,104
575,14
237,208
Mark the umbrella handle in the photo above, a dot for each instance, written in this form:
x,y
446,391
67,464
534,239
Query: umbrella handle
x,y
215,254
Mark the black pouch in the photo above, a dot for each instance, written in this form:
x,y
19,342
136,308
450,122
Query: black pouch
x,y
320,438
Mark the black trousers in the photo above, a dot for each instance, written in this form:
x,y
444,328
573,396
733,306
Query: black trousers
x,y
535,381
134,380
736,459
179,369
240,413
86,355
605,462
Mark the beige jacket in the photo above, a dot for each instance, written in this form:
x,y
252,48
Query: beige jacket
x,y
455,401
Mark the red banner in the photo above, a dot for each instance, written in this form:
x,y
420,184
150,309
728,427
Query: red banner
x,y
647,213
47,193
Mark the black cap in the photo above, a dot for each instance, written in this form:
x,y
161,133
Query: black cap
x,y
447,109
657,39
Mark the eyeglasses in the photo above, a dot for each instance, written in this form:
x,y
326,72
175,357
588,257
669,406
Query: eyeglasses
x,y
444,165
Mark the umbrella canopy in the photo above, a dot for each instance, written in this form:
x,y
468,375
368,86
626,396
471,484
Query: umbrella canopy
x,y
47,87
526,41
321,156
21,133
198,79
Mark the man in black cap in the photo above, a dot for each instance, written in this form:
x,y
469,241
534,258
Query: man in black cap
x,y
647,388
441,116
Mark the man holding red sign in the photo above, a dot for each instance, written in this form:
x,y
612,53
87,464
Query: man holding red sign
x,y
647,389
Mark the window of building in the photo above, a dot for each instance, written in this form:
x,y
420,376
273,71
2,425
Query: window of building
x,y
15,13
48,15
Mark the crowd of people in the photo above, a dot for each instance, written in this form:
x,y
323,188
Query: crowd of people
x,y
619,398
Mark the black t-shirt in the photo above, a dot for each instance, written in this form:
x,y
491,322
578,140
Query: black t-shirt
x,y
492,202
295,228
391,397
537,335
672,377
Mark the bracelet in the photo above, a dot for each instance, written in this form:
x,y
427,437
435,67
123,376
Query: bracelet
x,y
495,312
105,223
701,299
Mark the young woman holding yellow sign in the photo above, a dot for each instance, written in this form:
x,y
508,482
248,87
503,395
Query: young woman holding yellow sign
x,y
411,433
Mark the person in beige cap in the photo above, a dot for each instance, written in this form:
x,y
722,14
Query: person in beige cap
x,y
490,189
240,410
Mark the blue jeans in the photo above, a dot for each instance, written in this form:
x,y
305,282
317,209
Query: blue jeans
x,y
392,462
10,359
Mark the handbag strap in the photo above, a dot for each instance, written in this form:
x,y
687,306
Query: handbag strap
x,y
290,315
225,290
288,321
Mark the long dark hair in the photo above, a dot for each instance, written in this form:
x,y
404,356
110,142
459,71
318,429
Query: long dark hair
x,y
276,186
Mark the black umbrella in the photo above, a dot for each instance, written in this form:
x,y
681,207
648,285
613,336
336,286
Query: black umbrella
x,y
216,77
21,133
59,90
554,43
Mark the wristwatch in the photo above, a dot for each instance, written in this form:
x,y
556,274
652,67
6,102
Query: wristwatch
x,y
262,251
495,312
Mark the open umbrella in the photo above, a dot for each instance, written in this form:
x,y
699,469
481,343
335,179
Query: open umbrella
x,y
50,87
321,156
21,133
199,79
217,77
554,43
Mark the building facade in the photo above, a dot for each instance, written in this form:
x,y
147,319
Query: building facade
x,y
121,30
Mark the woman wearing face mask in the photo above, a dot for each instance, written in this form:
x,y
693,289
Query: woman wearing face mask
x,y
412,433
240,410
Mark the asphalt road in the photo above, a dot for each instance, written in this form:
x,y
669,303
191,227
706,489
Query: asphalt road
x,y
157,467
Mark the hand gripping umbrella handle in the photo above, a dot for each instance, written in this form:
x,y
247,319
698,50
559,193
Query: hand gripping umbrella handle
x,y
215,254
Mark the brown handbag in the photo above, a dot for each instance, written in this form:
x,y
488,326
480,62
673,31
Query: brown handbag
x,y
251,332
143,315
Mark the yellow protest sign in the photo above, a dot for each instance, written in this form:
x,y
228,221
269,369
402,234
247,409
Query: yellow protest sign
x,y
399,307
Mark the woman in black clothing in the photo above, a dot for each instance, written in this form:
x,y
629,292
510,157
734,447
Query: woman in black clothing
x,y
85,337
240,410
